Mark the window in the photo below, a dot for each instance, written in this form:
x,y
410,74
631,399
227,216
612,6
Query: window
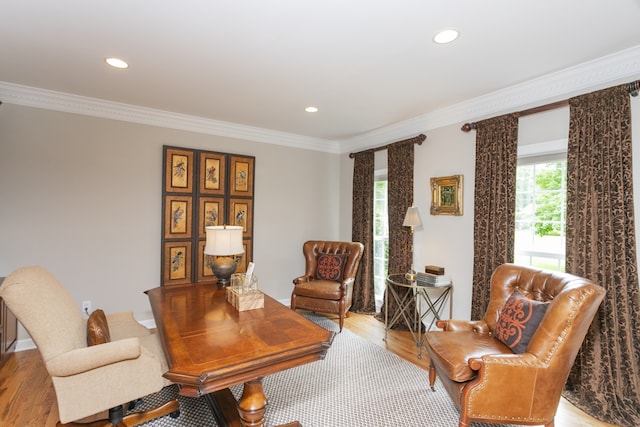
x,y
541,213
380,239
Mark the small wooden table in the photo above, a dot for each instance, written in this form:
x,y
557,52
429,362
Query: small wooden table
x,y
210,346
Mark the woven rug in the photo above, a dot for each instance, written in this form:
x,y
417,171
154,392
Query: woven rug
x,y
358,384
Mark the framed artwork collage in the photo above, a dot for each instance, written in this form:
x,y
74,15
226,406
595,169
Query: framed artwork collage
x,y
202,188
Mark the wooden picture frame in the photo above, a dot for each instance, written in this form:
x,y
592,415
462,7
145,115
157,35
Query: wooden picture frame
x,y
241,214
210,212
241,176
446,195
177,217
176,263
247,256
178,170
205,273
212,173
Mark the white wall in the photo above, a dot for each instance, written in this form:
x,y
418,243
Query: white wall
x,y
81,196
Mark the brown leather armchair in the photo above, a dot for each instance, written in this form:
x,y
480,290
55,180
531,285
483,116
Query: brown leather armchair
x,y
476,362
327,285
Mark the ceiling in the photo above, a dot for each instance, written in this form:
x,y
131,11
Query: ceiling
x,y
366,64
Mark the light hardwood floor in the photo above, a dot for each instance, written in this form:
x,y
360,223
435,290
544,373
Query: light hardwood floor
x,y
27,397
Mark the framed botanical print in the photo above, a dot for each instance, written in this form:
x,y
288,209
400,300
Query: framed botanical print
x,y
246,258
176,263
210,212
177,217
178,170
241,214
241,176
199,189
205,273
212,173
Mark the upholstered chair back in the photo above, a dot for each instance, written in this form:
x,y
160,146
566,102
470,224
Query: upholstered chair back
x,y
312,248
46,310
573,302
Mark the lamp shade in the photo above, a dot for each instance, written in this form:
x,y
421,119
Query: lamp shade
x,y
223,240
412,218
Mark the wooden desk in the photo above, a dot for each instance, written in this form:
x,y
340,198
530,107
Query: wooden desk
x,y
210,346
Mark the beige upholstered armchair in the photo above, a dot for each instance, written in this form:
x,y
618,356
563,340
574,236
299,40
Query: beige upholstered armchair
x,y
327,285
511,366
88,380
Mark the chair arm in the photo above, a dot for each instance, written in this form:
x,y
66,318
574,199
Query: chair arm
x,y
479,326
302,279
496,361
346,283
515,379
88,358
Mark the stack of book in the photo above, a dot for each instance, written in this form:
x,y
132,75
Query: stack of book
x,y
428,279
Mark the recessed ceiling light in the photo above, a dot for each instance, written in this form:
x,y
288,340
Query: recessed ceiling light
x,y
446,36
311,109
117,63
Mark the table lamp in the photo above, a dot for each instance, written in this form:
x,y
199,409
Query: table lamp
x,y
223,241
412,220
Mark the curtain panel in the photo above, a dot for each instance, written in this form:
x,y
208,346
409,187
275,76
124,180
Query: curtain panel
x,y
601,245
362,231
399,198
494,203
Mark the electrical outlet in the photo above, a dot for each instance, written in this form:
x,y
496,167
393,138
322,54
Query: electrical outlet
x,y
86,307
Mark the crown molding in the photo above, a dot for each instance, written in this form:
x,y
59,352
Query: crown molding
x,y
58,101
617,68
609,70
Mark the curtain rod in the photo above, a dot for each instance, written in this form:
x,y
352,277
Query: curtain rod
x,y
415,140
633,88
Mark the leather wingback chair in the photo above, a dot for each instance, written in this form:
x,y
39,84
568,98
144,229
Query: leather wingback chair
x,y
88,380
490,382
334,293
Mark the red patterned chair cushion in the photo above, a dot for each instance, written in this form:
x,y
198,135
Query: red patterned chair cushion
x,y
518,321
331,267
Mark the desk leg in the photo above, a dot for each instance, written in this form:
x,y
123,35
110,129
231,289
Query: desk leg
x,y
252,404
248,412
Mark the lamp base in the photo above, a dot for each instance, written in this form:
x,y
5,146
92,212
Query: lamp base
x,y
223,267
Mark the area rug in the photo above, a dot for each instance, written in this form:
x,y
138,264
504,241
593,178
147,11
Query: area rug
x,y
357,384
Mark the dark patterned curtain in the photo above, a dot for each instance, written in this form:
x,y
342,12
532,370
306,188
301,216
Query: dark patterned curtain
x,y
362,231
399,198
601,245
494,203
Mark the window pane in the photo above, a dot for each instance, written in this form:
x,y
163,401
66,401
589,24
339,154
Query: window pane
x,y
381,240
540,215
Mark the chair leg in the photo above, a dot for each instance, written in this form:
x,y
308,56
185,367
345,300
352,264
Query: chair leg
x,y
171,408
550,424
432,377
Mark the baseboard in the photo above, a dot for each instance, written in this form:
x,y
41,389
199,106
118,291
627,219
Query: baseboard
x,y
28,344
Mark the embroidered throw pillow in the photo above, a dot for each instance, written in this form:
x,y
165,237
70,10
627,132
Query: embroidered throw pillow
x,y
331,267
97,328
518,321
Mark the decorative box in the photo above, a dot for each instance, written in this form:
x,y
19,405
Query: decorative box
x,y
245,301
243,294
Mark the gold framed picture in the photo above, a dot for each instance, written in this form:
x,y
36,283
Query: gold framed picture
x,y
246,257
176,268
212,173
446,195
178,170
240,214
241,176
211,212
177,217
